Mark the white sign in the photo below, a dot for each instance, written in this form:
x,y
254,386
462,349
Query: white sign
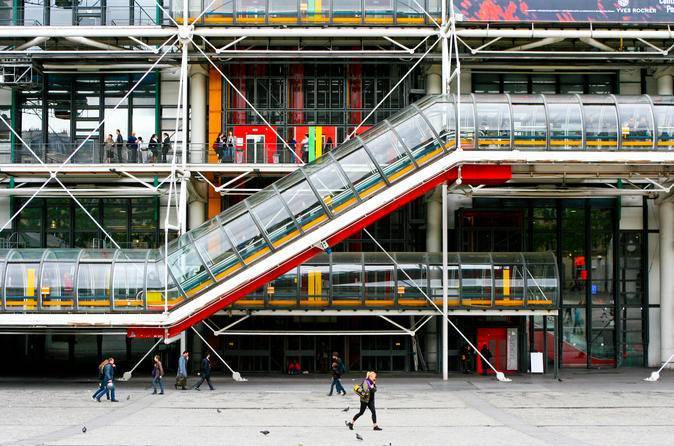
x,y
536,362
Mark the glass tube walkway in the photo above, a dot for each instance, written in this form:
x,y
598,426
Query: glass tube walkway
x,y
292,220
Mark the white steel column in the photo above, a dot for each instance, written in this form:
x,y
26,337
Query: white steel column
x,y
433,226
198,141
666,217
445,284
664,83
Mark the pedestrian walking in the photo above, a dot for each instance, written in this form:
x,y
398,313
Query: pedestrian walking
x,y
157,375
181,377
119,145
109,380
102,384
132,147
486,354
205,372
366,392
239,154
338,370
165,147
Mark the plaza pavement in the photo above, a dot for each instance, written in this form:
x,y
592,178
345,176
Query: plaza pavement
x,y
600,407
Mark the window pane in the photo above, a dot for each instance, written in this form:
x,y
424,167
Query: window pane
x,y
93,280
246,237
419,138
390,154
494,125
566,128
601,126
529,126
664,116
637,126
304,204
362,172
57,285
275,220
333,188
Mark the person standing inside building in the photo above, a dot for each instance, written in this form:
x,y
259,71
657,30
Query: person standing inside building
x,y
109,380
153,148
205,372
230,143
181,377
109,149
165,146
366,392
328,146
465,357
304,146
239,152
132,146
218,147
119,141
291,157
142,150
486,354
157,375
337,370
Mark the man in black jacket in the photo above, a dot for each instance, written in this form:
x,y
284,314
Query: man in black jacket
x,y
205,372
119,145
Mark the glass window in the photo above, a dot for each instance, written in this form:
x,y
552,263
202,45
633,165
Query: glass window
x,y
509,284
664,116
250,11
333,188
467,121
129,284
435,280
574,345
419,138
57,285
362,172
282,11
493,125
187,269
566,127
283,287
636,126
407,289
21,285
476,280
574,265
245,235
602,337
390,154
346,282
303,204
275,220
346,11
93,280
379,283
314,284
217,251
442,117
378,11
529,126
601,127
313,11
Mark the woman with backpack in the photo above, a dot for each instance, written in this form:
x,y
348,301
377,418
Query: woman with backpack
x,y
366,392
157,375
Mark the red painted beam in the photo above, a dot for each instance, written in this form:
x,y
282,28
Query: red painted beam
x,y
470,174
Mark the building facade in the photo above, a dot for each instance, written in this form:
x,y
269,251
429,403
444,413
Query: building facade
x,y
293,80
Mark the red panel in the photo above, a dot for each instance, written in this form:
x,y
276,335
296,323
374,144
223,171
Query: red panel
x,y
241,131
295,82
496,339
239,81
448,176
355,92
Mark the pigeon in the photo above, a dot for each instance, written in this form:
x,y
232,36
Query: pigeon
x,y
264,432
345,410
128,397
219,411
84,429
358,437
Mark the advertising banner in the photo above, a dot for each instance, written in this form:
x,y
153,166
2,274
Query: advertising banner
x,y
598,11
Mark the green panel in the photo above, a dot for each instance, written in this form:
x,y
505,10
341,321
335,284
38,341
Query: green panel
x,y
312,144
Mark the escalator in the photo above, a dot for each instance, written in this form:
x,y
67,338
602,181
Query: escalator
x,y
312,209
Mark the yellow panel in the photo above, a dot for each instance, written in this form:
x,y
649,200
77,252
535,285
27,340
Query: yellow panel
x,y
30,282
318,140
318,284
310,288
506,281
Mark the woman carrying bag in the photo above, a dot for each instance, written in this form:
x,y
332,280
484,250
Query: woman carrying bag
x,y
366,392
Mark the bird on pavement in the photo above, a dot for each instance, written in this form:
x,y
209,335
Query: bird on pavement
x,y
345,410
358,437
219,411
128,397
264,432
84,429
